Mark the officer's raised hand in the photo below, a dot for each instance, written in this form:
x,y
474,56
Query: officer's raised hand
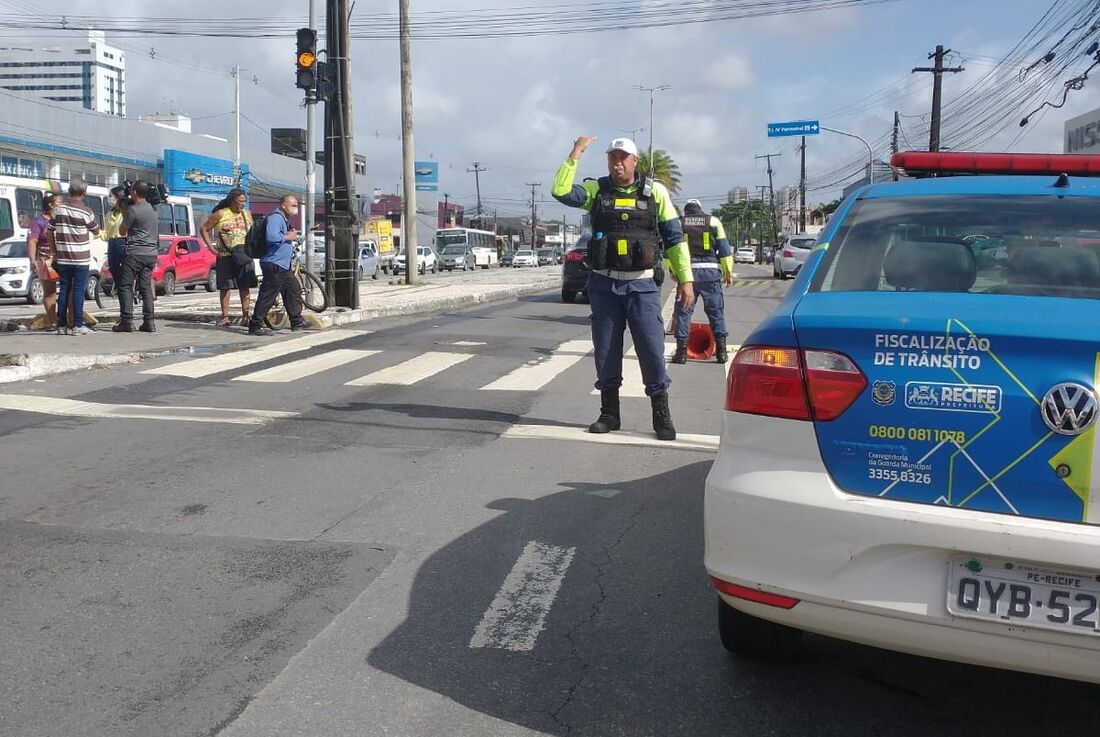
x,y
580,146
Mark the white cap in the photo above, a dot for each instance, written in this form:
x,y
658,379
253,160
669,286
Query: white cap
x,y
697,203
623,144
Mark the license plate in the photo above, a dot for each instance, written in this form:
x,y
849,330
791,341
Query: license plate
x,y
1023,594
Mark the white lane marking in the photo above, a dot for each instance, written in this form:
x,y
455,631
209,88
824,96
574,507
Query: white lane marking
x,y
467,343
304,367
633,383
414,370
534,375
518,612
198,368
76,408
683,441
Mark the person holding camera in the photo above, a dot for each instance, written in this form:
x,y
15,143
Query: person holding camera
x,y
229,222
139,228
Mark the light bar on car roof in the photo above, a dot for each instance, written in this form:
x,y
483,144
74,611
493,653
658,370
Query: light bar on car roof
x,y
959,162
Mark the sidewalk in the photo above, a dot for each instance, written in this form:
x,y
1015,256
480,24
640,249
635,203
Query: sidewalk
x,y
187,325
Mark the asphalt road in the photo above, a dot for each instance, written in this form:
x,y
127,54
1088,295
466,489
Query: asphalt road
x,y
352,555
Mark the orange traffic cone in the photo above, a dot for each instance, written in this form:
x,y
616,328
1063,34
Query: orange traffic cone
x,y
701,345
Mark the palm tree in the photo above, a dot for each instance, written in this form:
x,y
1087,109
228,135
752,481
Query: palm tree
x,y
664,169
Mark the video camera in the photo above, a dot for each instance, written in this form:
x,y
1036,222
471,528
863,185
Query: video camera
x,y
158,193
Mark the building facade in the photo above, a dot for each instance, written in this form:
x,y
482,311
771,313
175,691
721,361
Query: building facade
x,y
90,77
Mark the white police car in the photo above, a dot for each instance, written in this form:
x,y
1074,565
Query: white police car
x,y
907,458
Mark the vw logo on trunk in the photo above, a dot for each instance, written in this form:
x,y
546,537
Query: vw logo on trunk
x,y
1069,409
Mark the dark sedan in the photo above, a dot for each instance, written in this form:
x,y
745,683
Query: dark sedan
x,y
574,274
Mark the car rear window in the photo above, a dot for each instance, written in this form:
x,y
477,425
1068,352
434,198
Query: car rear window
x,y
803,243
1005,244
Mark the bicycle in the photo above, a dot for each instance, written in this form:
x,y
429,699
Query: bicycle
x,y
314,296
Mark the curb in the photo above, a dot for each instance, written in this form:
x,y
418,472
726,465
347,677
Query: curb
x,y
25,366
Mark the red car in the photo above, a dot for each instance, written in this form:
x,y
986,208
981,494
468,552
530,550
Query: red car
x,y
182,260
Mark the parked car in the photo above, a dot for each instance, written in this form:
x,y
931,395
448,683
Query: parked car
x,y
525,257
369,264
181,261
575,271
426,261
745,255
919,423
547,257
16,277
457,256
791,254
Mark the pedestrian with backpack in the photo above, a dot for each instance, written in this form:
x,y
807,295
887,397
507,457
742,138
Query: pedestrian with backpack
x,y
225,233
279,237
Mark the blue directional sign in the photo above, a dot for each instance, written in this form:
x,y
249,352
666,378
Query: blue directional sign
x,y
427,176
427,188
794,128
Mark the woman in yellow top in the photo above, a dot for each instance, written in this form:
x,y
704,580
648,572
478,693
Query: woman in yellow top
x,y
224,230
116,244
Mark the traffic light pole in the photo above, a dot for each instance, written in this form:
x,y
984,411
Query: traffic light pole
x,y
310,207
341,216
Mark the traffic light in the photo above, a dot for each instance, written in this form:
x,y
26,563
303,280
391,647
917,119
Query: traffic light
x,y
307,59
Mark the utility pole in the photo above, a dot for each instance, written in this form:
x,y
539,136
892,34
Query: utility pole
x,y
651,90
476,171
771,190
237,125
341,216
894,139
446,210
802,190
310,207
759,223
534,213
408,215
937,72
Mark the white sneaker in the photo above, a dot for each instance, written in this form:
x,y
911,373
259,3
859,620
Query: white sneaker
x,y
82,330
63,331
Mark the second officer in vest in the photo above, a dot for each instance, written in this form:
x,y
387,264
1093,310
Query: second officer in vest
x,y
631,221
712,266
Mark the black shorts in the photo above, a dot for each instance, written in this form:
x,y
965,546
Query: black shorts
x,y
232,276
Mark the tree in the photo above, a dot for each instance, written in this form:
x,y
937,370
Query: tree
x,y
664,170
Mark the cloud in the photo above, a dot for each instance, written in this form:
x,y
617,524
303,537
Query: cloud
x,y
729,73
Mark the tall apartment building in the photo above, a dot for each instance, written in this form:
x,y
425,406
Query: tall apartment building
x,y
92,76
739,194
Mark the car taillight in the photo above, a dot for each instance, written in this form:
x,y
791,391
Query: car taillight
x,y
788,254
760,597
784,382
575,257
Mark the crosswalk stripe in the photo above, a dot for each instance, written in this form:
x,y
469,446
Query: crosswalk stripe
x,y
201,367
683,441
633,383
414,370
533,376
306,367
98,410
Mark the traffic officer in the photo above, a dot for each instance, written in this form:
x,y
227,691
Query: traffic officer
x,y
712,266
631,219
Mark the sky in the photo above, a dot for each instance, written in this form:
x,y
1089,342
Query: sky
x,y
516,104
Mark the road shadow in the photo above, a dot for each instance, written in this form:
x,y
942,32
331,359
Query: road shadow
x,y
560,319
630,645
440,412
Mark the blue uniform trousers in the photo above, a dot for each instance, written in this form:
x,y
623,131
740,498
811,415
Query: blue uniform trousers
x,y
714,302
617,304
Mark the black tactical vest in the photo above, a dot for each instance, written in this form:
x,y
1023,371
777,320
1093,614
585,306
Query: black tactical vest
x,y
700,237
624,230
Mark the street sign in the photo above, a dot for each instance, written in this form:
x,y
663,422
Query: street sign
x,y
427,172
794,128
427,188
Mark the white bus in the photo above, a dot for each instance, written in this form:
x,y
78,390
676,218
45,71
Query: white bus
x,y
482,243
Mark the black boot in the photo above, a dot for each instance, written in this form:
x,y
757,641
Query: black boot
x,y
148,327
123,326
721,355
609,413
662,418
681,354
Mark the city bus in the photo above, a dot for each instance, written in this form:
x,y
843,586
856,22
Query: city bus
x,y
482,243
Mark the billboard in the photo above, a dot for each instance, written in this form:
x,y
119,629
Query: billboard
x,y
190,173
1082,134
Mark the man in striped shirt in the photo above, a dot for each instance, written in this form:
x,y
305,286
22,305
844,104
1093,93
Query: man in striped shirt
x,y
71,236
